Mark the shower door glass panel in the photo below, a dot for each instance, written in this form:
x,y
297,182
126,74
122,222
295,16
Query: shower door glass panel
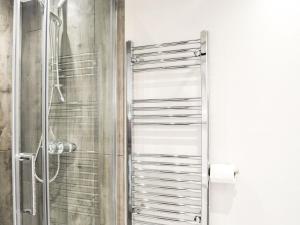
x,y
64,112
28,117
81,112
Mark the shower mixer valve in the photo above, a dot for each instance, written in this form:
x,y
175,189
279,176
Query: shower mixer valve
x,y
59,147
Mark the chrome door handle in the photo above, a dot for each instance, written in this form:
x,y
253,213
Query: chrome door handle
x,y
29,157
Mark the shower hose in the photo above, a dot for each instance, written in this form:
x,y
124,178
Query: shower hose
x,y
40,145
54,41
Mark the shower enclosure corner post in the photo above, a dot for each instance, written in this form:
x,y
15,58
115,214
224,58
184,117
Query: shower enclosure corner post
x,y
45,156
128,147
16,60
204,130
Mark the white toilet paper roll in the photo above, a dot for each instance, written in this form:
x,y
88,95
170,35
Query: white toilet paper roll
x,y
222,173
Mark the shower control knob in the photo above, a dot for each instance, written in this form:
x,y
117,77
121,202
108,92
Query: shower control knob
x,y
60,147
66,147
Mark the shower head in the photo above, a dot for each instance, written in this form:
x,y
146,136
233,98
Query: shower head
x,y
61,3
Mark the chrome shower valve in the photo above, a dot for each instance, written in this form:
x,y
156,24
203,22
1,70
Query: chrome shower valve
x,y
59,147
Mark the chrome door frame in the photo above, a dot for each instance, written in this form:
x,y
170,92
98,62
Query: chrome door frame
x,y
45,101
16,62
16,84
128,133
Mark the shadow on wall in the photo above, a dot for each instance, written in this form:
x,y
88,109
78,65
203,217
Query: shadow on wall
x,y
223,198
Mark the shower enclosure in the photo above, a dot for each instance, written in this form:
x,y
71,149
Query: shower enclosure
x,y
64,112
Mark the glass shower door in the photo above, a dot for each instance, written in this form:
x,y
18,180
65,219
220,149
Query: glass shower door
x,y
81,91
64,112
29,159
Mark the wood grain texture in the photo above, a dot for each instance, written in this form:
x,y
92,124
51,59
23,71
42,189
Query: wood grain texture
x,y
6,9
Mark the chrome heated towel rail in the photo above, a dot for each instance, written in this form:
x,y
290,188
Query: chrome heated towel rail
x,y
167,188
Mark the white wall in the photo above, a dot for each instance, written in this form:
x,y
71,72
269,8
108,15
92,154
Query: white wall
x,y
254,75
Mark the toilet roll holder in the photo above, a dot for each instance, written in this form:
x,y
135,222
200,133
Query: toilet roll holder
x,y
235,171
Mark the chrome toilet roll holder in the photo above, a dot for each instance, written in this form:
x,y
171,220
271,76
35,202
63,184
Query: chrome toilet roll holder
x,y
235,172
